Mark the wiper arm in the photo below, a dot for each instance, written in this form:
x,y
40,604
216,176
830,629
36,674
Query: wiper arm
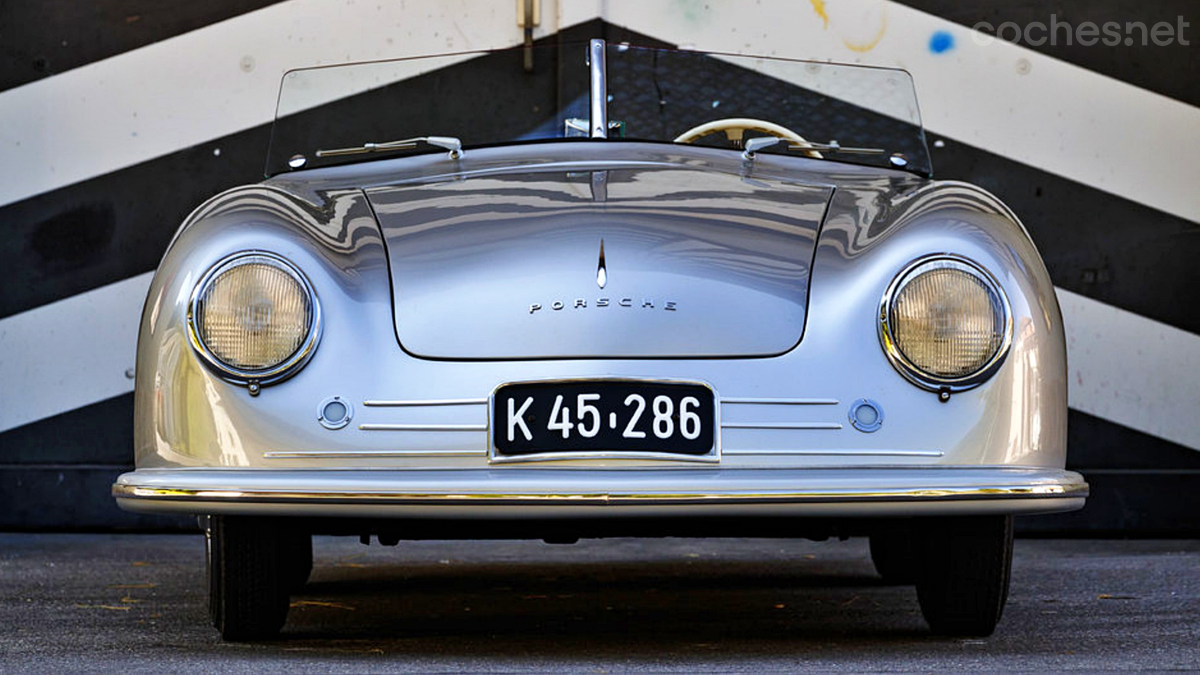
x,y
450,143
834,146
758,143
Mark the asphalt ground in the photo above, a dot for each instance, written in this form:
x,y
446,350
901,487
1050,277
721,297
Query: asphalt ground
x,y
137,603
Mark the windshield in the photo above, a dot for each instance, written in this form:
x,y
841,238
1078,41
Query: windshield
x,y
354,112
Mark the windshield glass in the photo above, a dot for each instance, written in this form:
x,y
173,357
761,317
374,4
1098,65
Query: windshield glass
x,y
338,114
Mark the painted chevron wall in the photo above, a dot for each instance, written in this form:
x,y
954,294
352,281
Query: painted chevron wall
x,y
117,118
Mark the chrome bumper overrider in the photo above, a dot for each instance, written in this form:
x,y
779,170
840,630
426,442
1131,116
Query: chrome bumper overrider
x,y
551,493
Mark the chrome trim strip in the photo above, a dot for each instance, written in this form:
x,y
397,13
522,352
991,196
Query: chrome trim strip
x,y
604,499
841,453
781,401
423,427
430,402
781,425
358,454
714,456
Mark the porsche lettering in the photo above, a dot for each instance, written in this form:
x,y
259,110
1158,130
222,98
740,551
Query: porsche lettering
x,y
583,303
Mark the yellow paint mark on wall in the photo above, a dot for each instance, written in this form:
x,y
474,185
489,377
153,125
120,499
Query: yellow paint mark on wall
x,y
819,8
864,47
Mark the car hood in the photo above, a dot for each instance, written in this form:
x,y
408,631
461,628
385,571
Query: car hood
x,y
675,262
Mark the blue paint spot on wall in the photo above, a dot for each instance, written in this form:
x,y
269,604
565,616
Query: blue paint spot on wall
x,y
940,42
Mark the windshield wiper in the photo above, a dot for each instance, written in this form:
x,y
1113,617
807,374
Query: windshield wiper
x,y
450,143
753,145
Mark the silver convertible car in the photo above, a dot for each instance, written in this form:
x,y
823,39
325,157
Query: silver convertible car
x,y
624,292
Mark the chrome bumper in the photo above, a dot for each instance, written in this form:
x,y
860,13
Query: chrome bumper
x,y
576,493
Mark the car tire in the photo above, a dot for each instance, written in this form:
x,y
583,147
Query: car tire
x,y
247,581
965,567
896,554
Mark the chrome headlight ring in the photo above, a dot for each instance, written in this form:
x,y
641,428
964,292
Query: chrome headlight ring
x,y
271,374
903,365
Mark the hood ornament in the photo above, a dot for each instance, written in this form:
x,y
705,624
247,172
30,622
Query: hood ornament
x,y
601,273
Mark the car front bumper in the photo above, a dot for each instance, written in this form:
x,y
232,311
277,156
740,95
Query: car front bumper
x,y
548,493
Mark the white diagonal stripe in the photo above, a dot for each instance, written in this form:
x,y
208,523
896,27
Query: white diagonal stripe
x,y
1002,98
192,88
216,81
1131,370
70,353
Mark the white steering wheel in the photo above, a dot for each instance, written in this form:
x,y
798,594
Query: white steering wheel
x,y
736,127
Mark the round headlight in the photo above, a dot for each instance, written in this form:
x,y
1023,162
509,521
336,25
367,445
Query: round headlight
x,y
254,316
944,322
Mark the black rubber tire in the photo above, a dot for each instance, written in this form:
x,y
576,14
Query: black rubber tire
x,y
248,594
964,575
896,554
298,560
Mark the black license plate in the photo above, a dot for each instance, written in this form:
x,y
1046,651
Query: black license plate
x,y
603,416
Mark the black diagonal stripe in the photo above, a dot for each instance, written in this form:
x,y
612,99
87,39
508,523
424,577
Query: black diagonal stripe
x,y
40,38
1172,70
72,498
1095,444
1128,504
1094,243
115,226
57,473
100,433
1140,484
